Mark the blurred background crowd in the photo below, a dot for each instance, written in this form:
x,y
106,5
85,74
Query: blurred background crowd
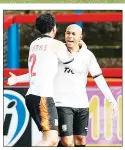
x,y
103,39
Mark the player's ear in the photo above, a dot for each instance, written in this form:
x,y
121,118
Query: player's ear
x,y
54,28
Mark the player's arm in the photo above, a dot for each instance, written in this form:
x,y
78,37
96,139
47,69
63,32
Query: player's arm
x,y
96,73
61,51
13,79
75,65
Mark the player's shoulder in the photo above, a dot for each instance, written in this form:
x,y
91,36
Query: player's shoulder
x,y
86,55
89,52
58,44
35,41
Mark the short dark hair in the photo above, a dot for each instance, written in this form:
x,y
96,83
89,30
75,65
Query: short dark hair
x,y
45,23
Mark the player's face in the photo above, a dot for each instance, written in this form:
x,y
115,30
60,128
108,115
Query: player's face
x,y
72,37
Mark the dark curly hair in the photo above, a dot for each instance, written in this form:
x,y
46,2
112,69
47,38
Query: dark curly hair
x,y
45,23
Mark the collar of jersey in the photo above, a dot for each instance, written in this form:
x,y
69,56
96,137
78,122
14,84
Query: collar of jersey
x,y
46,36
76,51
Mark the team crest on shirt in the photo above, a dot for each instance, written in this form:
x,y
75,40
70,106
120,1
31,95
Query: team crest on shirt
x,y
64,127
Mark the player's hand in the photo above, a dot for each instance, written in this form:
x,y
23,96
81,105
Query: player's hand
x,y
12,79
81,43
114,109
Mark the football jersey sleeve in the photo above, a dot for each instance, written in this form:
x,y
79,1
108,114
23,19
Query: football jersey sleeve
x,y
66,59
61,52
94,67
24,78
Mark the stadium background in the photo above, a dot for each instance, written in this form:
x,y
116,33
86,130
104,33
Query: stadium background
x,y
102,32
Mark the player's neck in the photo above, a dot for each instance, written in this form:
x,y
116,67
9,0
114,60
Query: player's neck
x,y
74,49
49,35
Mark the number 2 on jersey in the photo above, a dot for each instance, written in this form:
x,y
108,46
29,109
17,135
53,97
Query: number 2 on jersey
x,y
32,59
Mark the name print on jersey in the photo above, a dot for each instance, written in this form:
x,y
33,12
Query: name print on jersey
x,y
39,48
